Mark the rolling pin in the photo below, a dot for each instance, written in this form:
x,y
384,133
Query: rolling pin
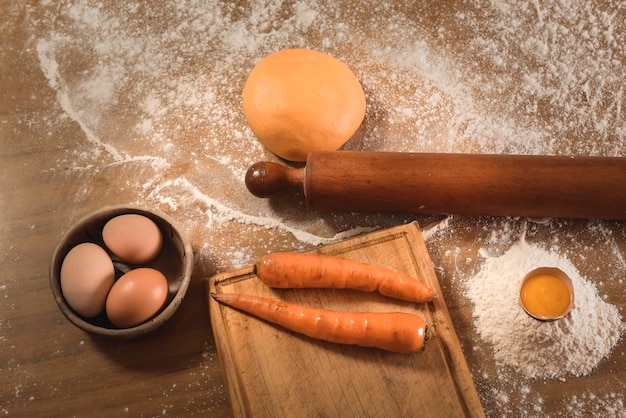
x,y
464,184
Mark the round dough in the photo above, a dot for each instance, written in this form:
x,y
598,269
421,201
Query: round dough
x,y
298,100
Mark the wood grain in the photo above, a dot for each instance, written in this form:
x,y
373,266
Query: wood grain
x,y
271,372
457,184
55,168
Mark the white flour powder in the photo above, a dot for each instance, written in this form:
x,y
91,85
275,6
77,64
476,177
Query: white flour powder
x,y
573,345
155,88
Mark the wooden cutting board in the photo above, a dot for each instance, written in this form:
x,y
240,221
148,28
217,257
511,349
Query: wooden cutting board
x,y
271,372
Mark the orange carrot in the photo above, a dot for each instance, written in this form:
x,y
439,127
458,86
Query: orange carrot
x,y
399,332
297,270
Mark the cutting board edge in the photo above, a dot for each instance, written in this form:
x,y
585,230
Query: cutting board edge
x,y
458,368
447,334
232,382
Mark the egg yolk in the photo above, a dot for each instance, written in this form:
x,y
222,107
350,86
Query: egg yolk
x,y
545,296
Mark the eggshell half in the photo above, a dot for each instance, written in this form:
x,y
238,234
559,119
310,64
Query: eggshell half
x,y
87,275
298,100
136,297
134,238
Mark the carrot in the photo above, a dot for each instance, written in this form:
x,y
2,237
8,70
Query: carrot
x,y
297,270
399,332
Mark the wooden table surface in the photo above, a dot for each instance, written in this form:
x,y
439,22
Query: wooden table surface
x,y
131,102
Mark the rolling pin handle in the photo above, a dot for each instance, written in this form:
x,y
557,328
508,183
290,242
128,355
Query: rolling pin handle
x,y
268,179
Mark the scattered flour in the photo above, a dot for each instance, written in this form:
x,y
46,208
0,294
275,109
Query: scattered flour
x,y
155,90
156,87
572,346
506,375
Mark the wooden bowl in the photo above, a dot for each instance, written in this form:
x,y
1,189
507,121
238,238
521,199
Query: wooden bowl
x,y
175,261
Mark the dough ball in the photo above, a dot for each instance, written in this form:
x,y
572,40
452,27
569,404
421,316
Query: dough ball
x,y
298,100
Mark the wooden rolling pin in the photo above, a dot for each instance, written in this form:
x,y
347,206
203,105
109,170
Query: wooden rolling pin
x,y
468,184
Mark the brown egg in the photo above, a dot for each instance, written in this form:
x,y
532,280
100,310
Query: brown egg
x,y
87,274
134,238
298,100
136,297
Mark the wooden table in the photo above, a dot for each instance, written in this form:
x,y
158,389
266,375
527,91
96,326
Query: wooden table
x,y
123,102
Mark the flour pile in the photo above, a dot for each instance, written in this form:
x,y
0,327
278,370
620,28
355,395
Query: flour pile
x,y
574,345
